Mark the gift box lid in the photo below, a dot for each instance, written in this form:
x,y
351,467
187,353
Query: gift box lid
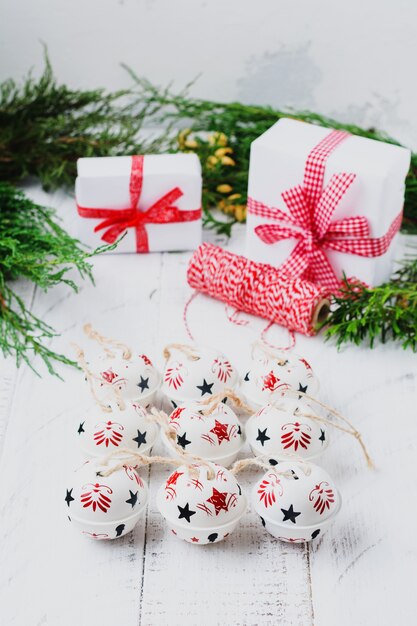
x,y
154,164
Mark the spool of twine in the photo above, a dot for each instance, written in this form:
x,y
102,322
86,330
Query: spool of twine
x,y
258,289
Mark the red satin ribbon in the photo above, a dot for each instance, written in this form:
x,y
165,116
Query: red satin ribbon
x,y
163,211
309,221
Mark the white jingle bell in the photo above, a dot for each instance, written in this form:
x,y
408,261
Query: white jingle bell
x,y
105,507
271,377
282,430
214,437
201,504
134,379
193,374
100,432
299,505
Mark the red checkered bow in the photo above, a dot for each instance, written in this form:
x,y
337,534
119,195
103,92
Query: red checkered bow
x,y
309,220
161,212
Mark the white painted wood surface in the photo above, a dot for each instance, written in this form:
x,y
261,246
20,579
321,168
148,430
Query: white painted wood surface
x,y
363,571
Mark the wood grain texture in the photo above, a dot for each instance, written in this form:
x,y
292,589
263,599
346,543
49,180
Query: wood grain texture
x,y
362,571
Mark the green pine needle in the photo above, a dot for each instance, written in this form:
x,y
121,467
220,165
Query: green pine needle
x,y
33,246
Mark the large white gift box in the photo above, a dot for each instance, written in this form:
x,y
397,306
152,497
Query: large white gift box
x,y
324,203
154,199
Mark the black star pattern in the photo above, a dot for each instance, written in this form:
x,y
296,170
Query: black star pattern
x,y
262,436
205,387
262,521
183,441
119,529
213,537
316,532
68,497
143,384
322,437
81,428
133,498
290,514
246,377
302,389
273,462
185,512
140,439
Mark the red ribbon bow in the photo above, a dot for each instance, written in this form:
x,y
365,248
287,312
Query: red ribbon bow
x,y
309,220
161,212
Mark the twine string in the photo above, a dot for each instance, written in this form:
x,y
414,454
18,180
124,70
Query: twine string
x,y
189,351
351,430
213,402
80,356
107,341
242,464
267,350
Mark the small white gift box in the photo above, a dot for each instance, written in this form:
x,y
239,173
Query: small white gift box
x,y
154,199
324,203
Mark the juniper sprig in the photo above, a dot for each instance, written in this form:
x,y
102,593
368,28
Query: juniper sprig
x,y
33,246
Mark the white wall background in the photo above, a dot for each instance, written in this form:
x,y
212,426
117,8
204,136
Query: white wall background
x,y
353,60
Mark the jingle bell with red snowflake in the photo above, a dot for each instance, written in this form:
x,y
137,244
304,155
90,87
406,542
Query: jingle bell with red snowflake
x,y
216,436
100,432
134,379
271,378
105,507
281,430
201,504
196,374
296,501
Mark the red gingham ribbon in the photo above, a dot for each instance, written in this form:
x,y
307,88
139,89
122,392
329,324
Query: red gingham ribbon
x,y
309,220
161,212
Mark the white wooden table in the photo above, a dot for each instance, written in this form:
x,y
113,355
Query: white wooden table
x,y
363,571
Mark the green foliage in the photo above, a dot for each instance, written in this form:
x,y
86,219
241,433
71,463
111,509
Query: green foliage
x,y
45,127
379,313
32,246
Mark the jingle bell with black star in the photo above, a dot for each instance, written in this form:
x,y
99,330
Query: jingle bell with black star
x,y
281,430
134,379
100,432
215,437
201,504
270,378
296,501
196,376
104,507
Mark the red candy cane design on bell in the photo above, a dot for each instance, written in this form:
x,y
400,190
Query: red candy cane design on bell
x,y
268,488
96,496
323,497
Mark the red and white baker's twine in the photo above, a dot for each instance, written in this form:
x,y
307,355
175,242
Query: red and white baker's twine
x,y
311,207
255,288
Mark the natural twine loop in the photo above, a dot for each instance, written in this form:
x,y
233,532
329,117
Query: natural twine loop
x,y
189,351
133,459
242,464
80,356
350,431
263,347
106,341
213,402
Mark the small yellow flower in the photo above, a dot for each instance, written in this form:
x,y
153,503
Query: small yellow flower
x,y
211,161
240,212
225,188
226,160
183,134
222,151
217,139
234,196
191,143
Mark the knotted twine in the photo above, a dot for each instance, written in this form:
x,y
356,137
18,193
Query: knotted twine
x,y
258,289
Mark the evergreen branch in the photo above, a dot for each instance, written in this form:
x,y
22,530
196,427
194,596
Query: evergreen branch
x,y
388,311
33,246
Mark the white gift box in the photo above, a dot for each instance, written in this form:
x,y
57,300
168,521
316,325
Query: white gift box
x,y
277,164
103,184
